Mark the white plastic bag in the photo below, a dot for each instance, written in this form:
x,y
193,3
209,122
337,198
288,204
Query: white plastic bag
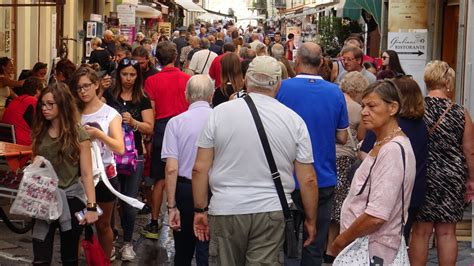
x,y
357,254
38,195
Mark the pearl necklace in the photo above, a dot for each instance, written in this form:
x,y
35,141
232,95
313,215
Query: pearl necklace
x,y
389,137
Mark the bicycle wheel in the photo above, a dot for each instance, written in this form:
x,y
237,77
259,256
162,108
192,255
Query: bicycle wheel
x,y
19,228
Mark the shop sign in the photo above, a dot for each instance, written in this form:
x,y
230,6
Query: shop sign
x,y
127,2
407,14
408,45
166,26
96,17
411,48
126,15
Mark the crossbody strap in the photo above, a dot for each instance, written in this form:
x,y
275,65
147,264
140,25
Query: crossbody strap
x,y
207,59
403,185
433,128
351,138
269,156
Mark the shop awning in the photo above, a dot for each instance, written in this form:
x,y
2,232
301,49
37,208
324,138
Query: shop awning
x,y
352,9
209,17
143,11
190,6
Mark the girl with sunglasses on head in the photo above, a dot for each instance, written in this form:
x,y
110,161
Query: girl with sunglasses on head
x,y
128,98
57,136
109,133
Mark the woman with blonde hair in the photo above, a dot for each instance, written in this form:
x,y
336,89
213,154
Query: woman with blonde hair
x,y
450,168
100,55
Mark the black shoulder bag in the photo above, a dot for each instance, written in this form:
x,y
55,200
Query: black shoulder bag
x,y
291,241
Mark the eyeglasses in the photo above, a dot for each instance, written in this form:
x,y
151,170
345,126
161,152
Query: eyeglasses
x,y
86,87
126,62
49,106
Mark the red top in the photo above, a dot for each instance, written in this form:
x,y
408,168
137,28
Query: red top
x,y
166,89
14,115
215,70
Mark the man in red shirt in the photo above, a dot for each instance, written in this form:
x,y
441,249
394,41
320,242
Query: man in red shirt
x,y
215,69
166,91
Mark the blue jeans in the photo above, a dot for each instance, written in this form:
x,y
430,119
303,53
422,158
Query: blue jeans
x,y
313,255
129,186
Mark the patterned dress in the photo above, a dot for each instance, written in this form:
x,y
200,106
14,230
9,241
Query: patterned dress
x,y
446,164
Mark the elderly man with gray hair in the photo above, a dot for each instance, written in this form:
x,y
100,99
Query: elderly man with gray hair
x,y
244,220
201,60
179,151
322,106
278,52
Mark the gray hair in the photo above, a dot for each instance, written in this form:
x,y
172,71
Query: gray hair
x,y
309,54
199,88
204,43
354,83
260,49
278,51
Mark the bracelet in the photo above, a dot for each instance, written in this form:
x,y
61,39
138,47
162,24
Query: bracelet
x,y
91,205
92,209
135,128
171,207
201,210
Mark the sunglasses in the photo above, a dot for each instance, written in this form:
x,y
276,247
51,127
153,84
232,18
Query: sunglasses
x,y
129,62
385,57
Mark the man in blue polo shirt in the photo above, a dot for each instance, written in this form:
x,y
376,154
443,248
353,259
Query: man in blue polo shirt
x,y
322,106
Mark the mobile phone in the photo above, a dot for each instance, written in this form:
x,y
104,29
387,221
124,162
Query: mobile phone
x,y
80,215
376,261
94,124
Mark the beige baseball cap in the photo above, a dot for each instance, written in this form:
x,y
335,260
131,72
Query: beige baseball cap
x,y
264,71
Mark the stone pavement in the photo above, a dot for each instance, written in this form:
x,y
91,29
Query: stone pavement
x,y
17,249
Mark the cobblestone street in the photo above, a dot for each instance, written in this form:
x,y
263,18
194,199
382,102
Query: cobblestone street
x,y
17,249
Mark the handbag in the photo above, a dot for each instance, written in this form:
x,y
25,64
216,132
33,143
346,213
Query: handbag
x,y
357,253
127,162
93,252
38,195
291,241
350,172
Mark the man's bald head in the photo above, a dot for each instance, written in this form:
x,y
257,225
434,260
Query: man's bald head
x,y
309,55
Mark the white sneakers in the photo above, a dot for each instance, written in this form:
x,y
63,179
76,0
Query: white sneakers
x,y
127,252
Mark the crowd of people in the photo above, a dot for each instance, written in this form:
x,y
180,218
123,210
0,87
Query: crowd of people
x,y
360,151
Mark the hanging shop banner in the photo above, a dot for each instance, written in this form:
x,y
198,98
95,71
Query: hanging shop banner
x,y
126,15
407,14
166,26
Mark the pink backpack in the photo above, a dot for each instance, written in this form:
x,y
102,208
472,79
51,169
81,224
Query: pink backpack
x,y
127,163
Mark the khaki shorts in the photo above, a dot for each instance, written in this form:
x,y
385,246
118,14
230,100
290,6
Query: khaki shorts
x,y
247,239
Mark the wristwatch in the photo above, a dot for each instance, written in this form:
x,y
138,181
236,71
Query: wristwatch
x,y
201,210
91,205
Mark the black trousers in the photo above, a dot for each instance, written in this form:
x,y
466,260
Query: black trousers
x,y
185,242
43,250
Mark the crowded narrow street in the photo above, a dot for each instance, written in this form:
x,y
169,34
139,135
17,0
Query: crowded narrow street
x,y
232,133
